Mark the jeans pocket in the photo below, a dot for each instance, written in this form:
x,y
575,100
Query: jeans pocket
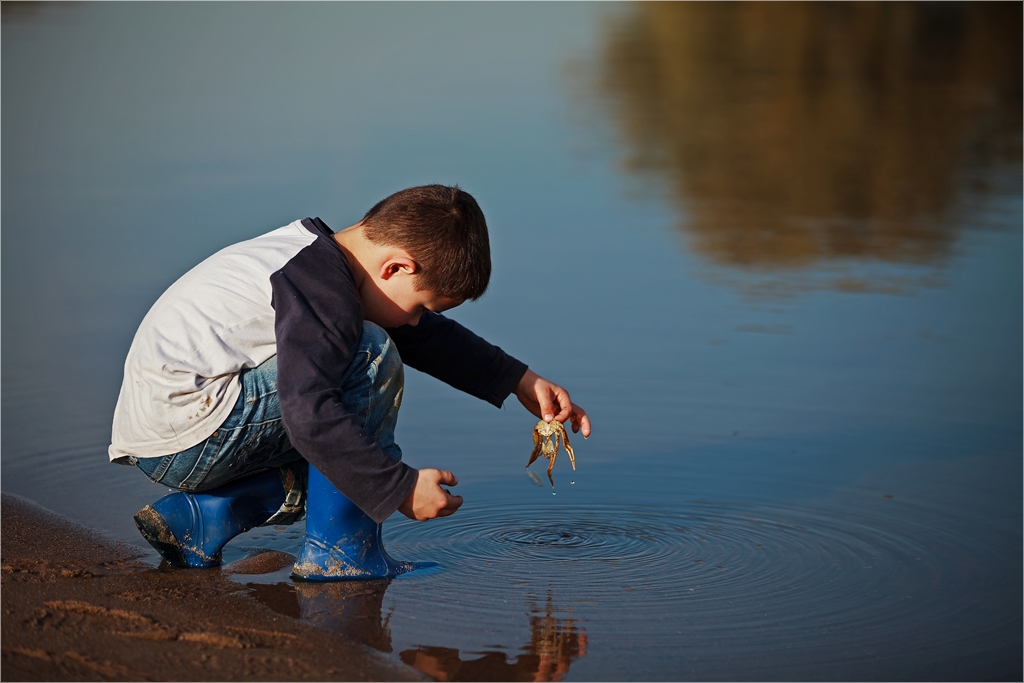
x,y
184,470
156,468
192,472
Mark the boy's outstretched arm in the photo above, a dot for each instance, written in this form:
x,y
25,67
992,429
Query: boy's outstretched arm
x,y
543,398
549,401
428,499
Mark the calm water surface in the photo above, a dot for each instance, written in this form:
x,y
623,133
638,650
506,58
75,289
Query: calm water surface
x,y
774,250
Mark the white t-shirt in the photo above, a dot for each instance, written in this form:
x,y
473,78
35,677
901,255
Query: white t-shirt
x,y
181,377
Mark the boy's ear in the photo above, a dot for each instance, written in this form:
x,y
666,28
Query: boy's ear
x,y
399,264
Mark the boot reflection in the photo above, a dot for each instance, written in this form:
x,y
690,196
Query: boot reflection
x,y
554,644
352,608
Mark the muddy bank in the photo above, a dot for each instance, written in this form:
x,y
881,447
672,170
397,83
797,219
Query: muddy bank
x,y
79,607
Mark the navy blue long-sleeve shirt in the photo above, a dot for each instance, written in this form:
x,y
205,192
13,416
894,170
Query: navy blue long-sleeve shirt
x,y
318,321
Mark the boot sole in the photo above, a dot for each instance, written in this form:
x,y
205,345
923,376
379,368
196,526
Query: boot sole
x,y
154,529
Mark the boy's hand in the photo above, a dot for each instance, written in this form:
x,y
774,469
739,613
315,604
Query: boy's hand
x,y
428,500
548,401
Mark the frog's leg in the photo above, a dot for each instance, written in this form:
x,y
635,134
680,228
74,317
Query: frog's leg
x,y
568,448
536,448
552,464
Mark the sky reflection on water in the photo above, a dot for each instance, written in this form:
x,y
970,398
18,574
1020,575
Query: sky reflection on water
x,y
827,363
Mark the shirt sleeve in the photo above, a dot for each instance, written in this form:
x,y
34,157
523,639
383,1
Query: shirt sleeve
x,y
444,349
318,321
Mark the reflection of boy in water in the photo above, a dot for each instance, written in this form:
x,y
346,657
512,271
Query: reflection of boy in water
x,y
355,610
283,350
554,645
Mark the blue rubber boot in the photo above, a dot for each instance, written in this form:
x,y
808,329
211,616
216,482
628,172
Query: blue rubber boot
x,y
342,542
191,529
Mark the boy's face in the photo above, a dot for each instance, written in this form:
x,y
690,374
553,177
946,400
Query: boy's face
x,y
395,301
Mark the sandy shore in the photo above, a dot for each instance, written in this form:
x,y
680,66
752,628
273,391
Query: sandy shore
x,y
79,607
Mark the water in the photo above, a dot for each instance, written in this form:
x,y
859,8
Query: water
x,y
774,250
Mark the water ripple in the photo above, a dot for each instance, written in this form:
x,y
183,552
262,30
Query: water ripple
x,y
751,576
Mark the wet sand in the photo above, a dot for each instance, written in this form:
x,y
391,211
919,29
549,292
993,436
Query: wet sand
x,y
77,606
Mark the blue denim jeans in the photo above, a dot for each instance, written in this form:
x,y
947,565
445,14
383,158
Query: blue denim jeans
x,y
252,439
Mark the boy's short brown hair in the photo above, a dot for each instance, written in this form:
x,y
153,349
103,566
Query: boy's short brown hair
x,y
444,230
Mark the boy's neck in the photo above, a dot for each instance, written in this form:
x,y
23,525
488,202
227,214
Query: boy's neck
x,y
357,249
371,262
386,277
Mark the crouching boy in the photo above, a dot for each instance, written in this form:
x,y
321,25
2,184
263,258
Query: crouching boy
x,y
265,384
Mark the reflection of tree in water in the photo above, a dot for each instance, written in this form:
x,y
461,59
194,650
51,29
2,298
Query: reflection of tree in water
x,y
554,644
789,133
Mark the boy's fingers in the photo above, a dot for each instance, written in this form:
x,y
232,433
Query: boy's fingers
x,y
454,503
545,407
580,421
564,404
560,413
585,425
430,498
447,478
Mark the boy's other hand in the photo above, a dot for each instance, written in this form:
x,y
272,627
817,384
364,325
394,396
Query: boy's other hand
x,y
428,500
548,401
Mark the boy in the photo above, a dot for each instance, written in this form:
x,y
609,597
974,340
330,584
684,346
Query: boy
x,y
266,382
